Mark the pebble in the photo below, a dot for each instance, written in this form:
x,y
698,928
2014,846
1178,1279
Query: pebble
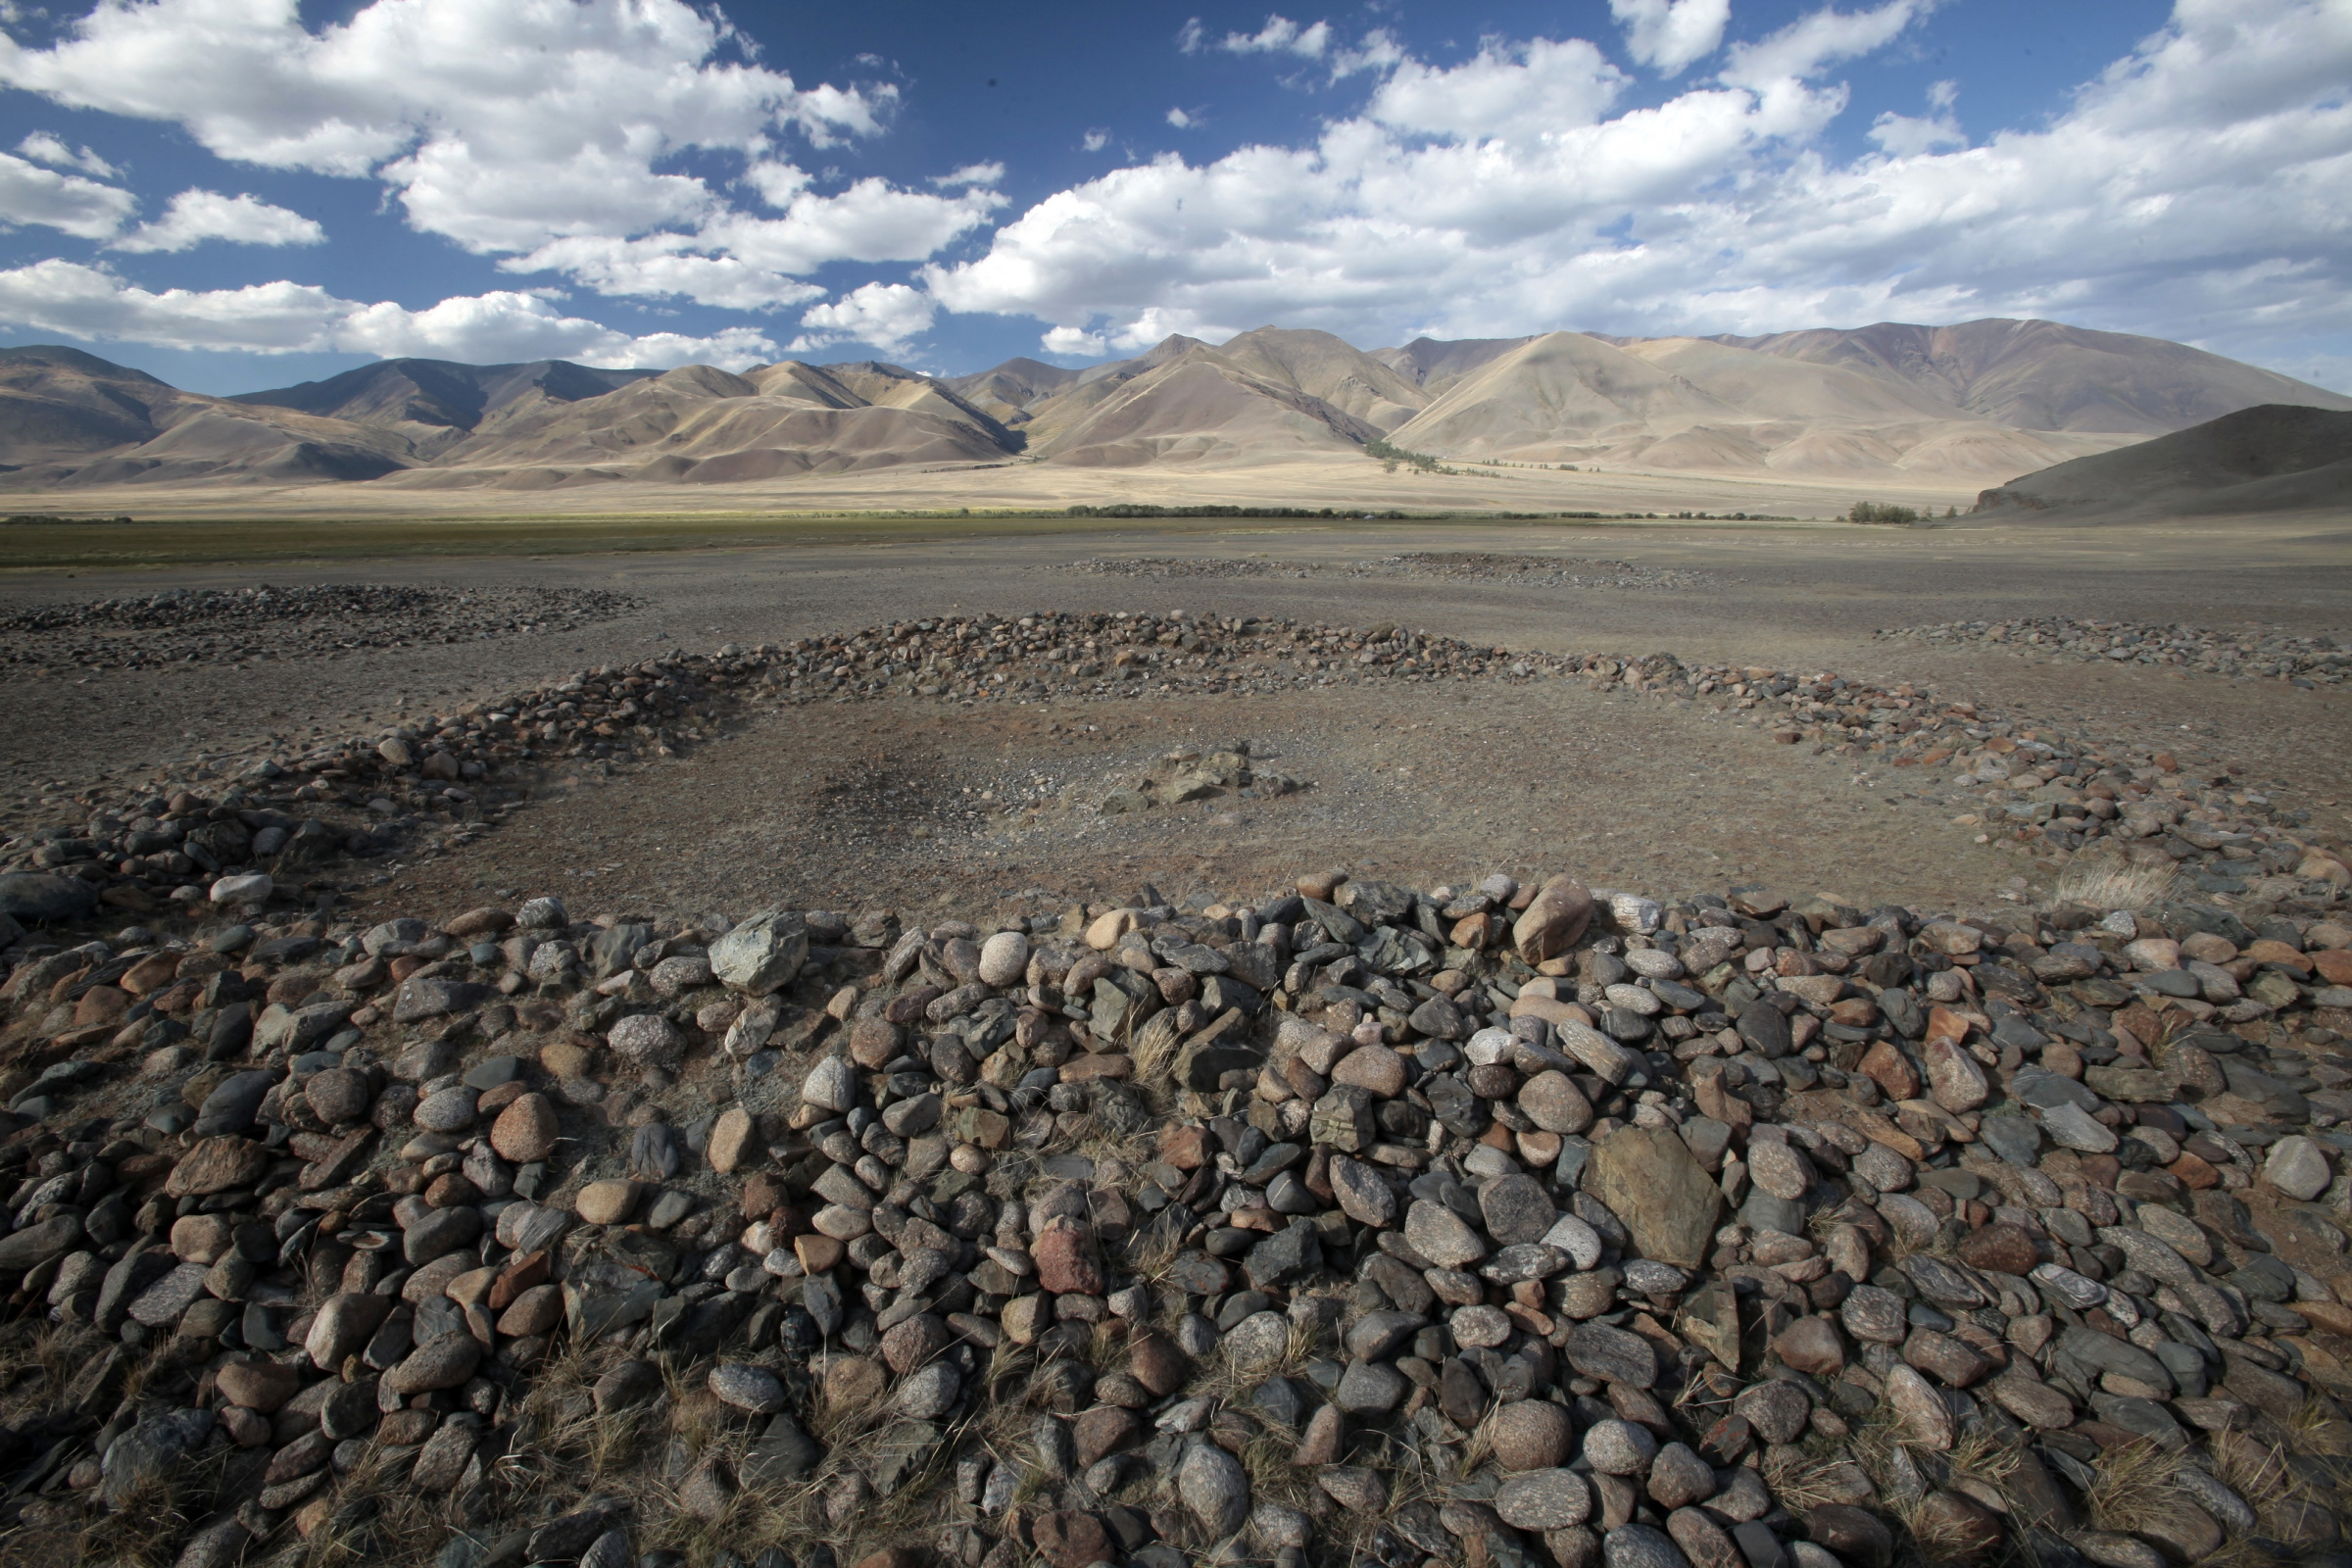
x,y
1416,1245
1531,1435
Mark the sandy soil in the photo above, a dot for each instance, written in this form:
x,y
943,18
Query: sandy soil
x,y
1426,784
1315,480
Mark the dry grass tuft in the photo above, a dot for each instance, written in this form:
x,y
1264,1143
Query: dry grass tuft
x,y
148,1530
2133,1484
37,1359
2104,882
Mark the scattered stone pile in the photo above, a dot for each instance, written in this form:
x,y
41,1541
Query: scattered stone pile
x,y
2305,662
1189,773
1536,571
227,626
1492,1224
1539,571
444,777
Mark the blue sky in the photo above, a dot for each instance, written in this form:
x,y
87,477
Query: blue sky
x,y
235,194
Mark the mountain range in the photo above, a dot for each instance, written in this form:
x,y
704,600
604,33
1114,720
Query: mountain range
x,y
1982,400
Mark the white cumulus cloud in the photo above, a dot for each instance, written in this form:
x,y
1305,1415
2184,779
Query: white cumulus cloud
x,y
196,215
888,316
507,126
1281,35
67,203
44,148
1671,35
284,317
2192,189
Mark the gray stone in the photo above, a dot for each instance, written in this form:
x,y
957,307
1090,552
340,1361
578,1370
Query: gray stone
x,y
1516,1209
1679,1477
44,896
230,1108
1612,1354
162,1303
2297,1168
1544,1499
1215,1488
1619,1448
1362,1195
762,955
35,1244
2013,1137
2070,1126
1442,1236
423,997
648,1040
1870,1313
929,1391
443,1362
747,1388
1640,1546
142,1455
831,1085
1371,1388
1259,1342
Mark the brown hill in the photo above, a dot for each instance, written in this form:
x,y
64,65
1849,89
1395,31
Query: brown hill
x,y
1331,371
704,425
1007,392
72,421
1984,398
434,404
1435,366
2276,458
1195,405
1566,397
2045,375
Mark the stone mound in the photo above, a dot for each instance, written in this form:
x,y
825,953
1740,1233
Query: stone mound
x,y
1345,1222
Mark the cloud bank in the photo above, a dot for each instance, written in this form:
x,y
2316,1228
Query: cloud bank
x,y
2198,179
88,302
640,149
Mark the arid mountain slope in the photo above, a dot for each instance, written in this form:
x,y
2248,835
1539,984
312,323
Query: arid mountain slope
x,y
72,420
1006,393
437,403
1329,370
1195,405
2046,375
2275,458
1435,365
1979,402
703,425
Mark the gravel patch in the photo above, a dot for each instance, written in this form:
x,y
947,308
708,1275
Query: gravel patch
x,y
1522,570
2266,655
222,626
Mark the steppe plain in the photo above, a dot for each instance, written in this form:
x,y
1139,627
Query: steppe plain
x,y
1416,783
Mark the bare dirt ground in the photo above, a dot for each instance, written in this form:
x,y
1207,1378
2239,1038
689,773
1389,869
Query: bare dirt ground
x,y
1421,784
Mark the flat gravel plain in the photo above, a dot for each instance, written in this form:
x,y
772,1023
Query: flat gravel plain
x,y
1415,784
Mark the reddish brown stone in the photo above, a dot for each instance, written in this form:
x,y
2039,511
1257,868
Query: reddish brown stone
x,y
1066,1262
1158,1364
1811,1345
1071,1540
1105,1429
525,1130
1890,1070
2000,1249
525,1273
